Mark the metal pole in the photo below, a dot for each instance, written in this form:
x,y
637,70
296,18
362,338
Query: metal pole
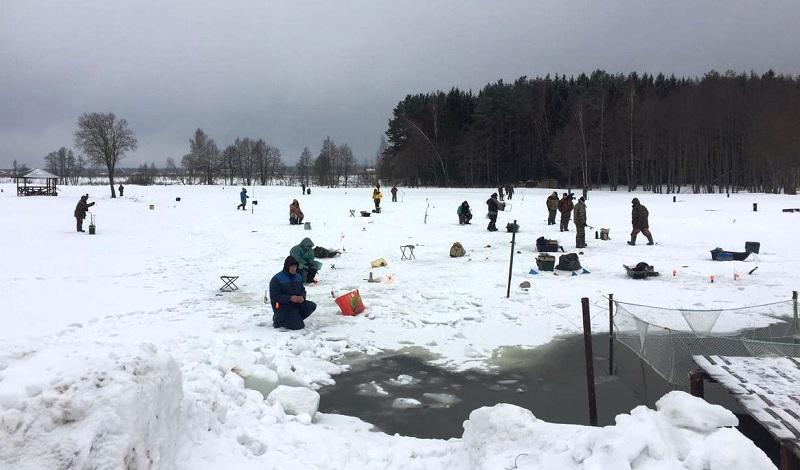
x,y
511,262
587,348
610,334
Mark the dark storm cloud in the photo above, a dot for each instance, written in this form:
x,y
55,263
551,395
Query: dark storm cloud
x,y
296,71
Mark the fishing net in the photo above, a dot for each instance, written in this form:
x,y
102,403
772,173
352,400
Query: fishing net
x,y
666,339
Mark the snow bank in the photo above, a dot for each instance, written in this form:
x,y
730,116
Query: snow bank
x,y
119,410
645,439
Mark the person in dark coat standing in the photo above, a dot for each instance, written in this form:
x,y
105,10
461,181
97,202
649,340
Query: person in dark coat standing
x,y
639,216
565,206
493,205
501,193
552,207
121,190
580,223
80,211
288,298
394,193
243,197
509,191
304,188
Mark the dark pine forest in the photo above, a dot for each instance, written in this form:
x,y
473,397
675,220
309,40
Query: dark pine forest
x,y
721,132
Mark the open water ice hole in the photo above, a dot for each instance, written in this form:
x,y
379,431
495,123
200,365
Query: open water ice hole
x,y
403,393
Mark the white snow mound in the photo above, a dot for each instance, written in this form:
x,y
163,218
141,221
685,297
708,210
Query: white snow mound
x,y
295,400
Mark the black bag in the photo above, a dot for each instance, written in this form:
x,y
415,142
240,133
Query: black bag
x,y
512,227
320,252
568,262
544,245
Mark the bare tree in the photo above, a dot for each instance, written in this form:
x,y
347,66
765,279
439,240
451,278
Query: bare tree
x,y
104,139
304,165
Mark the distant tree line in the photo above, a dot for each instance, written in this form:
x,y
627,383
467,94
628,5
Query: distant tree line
x,y
725,132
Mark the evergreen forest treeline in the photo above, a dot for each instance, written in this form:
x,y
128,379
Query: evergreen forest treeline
x,y
725,132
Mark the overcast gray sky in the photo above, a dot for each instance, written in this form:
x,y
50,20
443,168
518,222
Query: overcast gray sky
x,y
293,72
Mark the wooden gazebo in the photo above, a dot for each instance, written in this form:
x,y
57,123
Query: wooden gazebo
x,y
37,183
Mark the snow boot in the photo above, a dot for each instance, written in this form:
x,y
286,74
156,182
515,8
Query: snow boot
x,y
650,240
633,240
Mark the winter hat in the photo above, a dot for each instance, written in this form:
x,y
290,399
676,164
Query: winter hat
x,y
635,201
290,261
494,194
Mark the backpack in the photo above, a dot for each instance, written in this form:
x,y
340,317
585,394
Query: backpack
x,y
457,251
568,262
512,227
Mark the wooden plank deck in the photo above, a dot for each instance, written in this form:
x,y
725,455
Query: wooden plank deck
x,y
767,387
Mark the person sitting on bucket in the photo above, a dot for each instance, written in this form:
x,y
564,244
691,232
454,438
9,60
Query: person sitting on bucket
x,y
243,196
304,254
288,298
464,214
295,214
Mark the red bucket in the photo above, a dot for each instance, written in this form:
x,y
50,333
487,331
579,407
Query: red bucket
x,y
350,303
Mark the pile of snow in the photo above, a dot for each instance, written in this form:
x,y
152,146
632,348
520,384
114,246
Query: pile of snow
x,y
115,410
684,432
295,400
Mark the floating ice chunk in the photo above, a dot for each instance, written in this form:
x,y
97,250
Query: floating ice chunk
x,y
404,380
444,399
406,403
295,400
371,389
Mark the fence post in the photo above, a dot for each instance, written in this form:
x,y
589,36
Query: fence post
x,y
511,262
587,348
696,378
610,334
794,308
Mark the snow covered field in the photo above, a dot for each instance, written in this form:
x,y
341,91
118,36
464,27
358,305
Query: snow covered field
x,y
118,349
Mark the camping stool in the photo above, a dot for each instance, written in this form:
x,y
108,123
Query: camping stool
x,y
229,283
352,212
407,251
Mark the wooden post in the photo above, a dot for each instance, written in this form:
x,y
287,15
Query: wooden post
x,y
610,334
696,378
788,460
587,348
794,307
511,262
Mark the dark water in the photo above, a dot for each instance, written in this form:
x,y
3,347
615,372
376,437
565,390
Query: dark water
x,y
550,381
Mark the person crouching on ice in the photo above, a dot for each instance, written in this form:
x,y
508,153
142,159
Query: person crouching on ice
x,y
295,214
288,298
464,214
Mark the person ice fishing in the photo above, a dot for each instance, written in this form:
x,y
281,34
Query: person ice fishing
x,y
243,196
565,206
493,206
80,211
464,214
304,188
580,223
552,207
394,193
639,216
121,190
501,193
295,214
304,254
376,197
290,307
509,191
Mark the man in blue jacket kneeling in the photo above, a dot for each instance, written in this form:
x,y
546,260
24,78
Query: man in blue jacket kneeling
x,y
288,297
